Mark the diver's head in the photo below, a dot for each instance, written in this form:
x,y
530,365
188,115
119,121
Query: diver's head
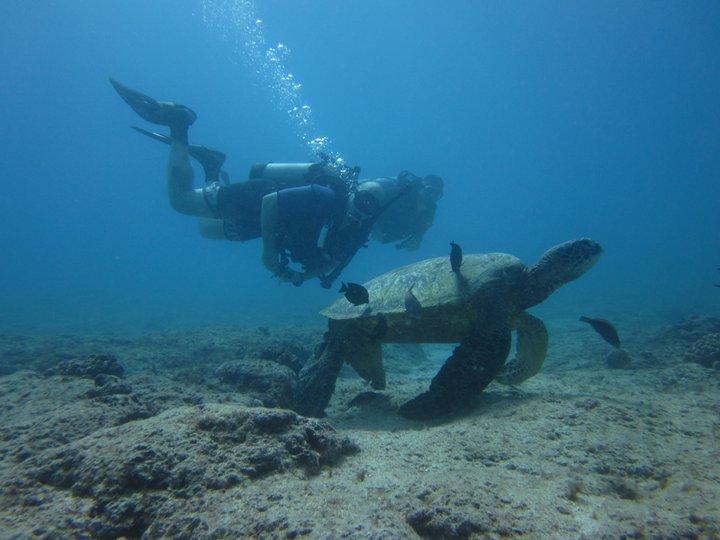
x,y
432,187
364,204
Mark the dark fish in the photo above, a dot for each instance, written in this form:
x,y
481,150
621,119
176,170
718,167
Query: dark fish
x,y
356,294
381,327
605,329
412,305
455,257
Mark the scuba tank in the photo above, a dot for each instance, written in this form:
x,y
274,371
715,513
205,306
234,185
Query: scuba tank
x,y
329,172
287,173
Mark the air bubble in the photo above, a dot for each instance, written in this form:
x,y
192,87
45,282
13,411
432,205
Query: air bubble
x,y
235,21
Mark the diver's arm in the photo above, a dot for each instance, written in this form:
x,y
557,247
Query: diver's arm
x,y
183,198
414,239
423,221
269,222
211,228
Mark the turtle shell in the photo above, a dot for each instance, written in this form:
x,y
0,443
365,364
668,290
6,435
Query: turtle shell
x,y
435,285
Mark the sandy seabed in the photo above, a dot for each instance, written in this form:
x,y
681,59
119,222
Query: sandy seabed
x,y
183,435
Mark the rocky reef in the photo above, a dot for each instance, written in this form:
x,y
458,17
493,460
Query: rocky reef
x,y
97,452
89,367
183,435
126,474
269,382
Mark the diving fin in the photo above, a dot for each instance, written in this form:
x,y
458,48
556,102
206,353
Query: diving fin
x,y
164,113
157,136
211,160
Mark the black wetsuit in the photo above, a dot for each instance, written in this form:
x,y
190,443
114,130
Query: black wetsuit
x,y
304,210
239,205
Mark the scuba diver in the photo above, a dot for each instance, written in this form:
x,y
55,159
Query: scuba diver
x,y
411,215
314,214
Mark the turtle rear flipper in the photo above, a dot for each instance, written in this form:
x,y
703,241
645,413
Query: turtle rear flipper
x,y
472,366
531,350
366,360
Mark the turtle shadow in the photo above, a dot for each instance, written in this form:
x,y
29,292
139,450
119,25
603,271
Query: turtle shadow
x,y
509,394
387,418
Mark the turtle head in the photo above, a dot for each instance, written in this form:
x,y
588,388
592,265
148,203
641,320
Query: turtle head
x,y
560,265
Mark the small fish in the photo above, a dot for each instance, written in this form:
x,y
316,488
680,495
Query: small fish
x,y
412,306
356,294
456,256
381,327
605,329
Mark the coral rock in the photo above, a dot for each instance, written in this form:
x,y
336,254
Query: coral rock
x,y
129,473
705,351
443,523
90,366
270,382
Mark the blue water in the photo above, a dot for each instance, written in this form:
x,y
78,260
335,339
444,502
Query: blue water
x,y
547,120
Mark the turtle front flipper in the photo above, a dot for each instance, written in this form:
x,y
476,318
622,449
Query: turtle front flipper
x,y
531,350
472,366
366,360
316,380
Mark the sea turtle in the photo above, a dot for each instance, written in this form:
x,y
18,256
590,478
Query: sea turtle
x,y
477,308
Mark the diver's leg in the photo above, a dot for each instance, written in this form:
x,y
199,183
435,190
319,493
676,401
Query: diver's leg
x,y
472,366
183,198
210,159
178,118
213,229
